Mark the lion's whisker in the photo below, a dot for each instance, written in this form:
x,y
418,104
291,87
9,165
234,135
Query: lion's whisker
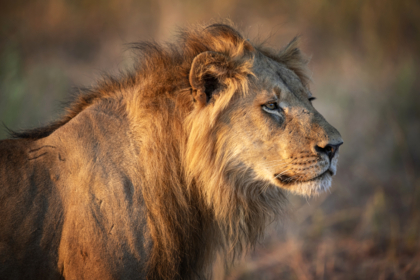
x,y
278,164
277,176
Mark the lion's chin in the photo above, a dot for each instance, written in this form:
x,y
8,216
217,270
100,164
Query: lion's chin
x,y
311,187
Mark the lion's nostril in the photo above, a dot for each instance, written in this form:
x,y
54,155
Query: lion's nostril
x,y
329,149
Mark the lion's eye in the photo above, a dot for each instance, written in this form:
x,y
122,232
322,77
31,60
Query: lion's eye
x,y
271,106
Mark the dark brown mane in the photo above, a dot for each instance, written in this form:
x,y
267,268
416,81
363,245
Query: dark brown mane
x,y
168,66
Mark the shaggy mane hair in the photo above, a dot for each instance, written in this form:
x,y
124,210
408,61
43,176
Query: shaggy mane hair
x,y
169,66
199,202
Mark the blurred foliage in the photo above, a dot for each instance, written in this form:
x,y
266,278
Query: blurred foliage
x,y
365,63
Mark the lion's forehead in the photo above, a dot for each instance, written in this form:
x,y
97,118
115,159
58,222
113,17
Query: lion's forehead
x,y
272,74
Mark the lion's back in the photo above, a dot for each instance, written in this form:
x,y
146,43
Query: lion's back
x,y
68,202
30,211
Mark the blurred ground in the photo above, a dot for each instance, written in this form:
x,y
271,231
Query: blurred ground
x,y
366,69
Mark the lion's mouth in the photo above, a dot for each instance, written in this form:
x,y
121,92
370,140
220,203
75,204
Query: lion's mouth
x,y
288,180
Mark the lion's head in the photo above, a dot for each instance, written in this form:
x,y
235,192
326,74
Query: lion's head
x,y
254,119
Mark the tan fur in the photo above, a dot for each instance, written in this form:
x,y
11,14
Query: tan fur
x,y
151,175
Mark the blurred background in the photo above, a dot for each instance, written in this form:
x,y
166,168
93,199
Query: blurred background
x,y
366,77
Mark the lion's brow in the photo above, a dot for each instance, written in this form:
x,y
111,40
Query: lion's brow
x,y
277,91
284,82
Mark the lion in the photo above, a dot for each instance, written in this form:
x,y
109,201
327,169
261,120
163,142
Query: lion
x,y
151,175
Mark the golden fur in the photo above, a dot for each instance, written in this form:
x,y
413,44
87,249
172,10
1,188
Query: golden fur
x,y
149,176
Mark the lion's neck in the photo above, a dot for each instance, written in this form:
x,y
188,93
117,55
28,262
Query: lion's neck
x,y
194,208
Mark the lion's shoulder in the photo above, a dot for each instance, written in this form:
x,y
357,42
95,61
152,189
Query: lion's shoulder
x,y
78,189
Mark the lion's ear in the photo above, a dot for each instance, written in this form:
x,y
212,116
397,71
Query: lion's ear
x,y
206,74
293,58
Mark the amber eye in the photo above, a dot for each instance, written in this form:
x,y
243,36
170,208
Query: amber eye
x,y
271,106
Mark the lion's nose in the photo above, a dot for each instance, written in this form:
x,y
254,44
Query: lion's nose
x,y
329,149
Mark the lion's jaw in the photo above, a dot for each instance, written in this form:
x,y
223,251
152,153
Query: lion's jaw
x,y
312,186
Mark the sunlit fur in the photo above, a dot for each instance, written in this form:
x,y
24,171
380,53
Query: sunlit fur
x,y
198,180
